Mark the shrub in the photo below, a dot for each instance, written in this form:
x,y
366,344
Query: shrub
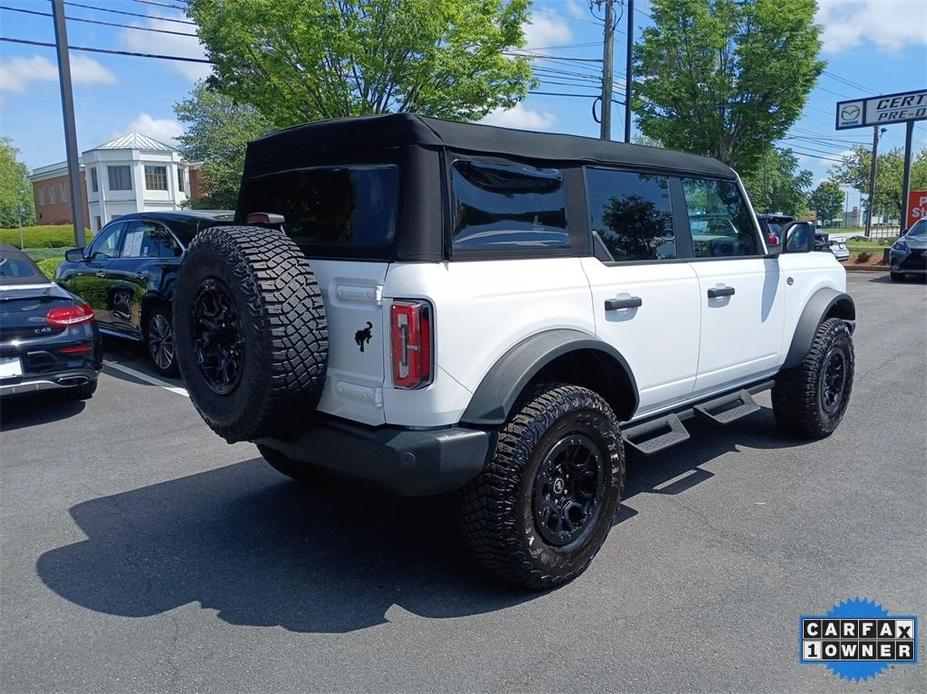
x,y
49,265
47,236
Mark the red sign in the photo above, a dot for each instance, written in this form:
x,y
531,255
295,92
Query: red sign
x,y
917,207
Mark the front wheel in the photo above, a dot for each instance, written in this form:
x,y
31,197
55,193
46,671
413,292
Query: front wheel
x,y
810,399
896,276
543,506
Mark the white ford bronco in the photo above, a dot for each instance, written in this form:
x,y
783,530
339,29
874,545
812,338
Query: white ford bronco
x,y
437,307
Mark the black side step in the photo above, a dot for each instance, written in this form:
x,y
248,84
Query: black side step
x,y
727,408
656,435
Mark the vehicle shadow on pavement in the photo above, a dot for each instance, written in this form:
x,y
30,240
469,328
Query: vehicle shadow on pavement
x,y
264,551
24,411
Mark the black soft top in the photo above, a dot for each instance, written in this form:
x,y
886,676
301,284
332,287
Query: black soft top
x,y
302,145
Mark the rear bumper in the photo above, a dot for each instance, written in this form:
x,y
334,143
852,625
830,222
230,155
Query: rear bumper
x,y
405,461
47,381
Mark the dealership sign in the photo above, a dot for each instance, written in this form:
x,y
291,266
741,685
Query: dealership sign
x,y
882,110
917,207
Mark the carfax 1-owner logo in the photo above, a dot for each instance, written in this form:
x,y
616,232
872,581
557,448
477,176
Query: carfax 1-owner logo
x,y
857,639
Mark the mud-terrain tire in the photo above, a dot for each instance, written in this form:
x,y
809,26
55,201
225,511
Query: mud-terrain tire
x,y
250,332
501,513
810,399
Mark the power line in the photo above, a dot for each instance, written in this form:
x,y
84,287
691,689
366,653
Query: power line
x,y
524,54
161,4
130,14
109,51
98,21
585,96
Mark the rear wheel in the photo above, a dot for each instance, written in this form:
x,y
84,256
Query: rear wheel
x,y
159,337
543,506
810,399
896,276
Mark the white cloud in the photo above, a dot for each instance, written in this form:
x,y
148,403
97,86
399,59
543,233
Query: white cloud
x,y
521,117
165,130
17,73
86,70
577,10
889,24
170,44
546,29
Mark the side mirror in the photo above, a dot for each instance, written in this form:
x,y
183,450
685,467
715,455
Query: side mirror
x,y
74,255
799,237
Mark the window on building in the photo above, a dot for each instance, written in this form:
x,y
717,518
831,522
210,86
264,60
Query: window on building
x,y
98,224
156,177
120,177
52,194
508,207
94,181
181,175
720,222
64,192
40,190
631,213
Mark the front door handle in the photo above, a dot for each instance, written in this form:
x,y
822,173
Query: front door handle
x,y
618,304
717,292
100,273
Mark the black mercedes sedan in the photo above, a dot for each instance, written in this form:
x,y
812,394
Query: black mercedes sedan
x,y
127,275
48,337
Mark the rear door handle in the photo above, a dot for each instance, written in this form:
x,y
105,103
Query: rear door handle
x,y
717,292
618,304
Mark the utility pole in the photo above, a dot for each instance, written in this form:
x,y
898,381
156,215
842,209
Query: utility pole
x,y
605,133
70,131
906,177
872,179
629,65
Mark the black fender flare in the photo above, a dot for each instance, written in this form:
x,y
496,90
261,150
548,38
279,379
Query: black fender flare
x,y
496,395
823,302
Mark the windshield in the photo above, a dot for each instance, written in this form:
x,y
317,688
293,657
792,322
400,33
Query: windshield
x,y
919,229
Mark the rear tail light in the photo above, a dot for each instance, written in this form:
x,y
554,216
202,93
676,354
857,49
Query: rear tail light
x,y
81,348
68,315
410,336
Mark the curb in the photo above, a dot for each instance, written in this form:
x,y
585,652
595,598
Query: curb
x,y
866,268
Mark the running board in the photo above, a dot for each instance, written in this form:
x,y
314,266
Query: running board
x,y
656,435
727,408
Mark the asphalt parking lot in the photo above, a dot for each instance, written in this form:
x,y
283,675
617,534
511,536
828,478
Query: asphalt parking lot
x,y
140,552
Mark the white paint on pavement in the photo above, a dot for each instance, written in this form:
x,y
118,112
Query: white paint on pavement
x,y
146,378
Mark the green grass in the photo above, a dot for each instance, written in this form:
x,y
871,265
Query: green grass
x,y
49,265
38,254
43,236
869,245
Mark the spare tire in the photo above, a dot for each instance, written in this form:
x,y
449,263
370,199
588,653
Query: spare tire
x,y
250,332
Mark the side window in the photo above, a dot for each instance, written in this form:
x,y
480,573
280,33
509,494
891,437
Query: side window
x,y
106,242
631,213
145,239
507,207
720,221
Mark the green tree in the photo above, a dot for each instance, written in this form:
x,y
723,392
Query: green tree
x,y
827,200
725,78
778,184
217,133
303,60
16,203
854,171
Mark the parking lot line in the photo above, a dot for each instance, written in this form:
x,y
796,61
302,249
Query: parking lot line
x,y
146,378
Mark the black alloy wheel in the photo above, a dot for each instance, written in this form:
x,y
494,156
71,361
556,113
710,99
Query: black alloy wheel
x,y
833,380
218,342
568,489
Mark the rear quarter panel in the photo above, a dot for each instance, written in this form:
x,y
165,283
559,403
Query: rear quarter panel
x,y
482,309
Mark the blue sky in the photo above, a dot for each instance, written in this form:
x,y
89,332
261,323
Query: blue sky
x,y
871,47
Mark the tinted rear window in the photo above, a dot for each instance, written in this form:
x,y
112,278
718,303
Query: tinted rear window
x,y
332,206
507,207
19,269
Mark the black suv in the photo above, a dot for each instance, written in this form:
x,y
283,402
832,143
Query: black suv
x,y
127,275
